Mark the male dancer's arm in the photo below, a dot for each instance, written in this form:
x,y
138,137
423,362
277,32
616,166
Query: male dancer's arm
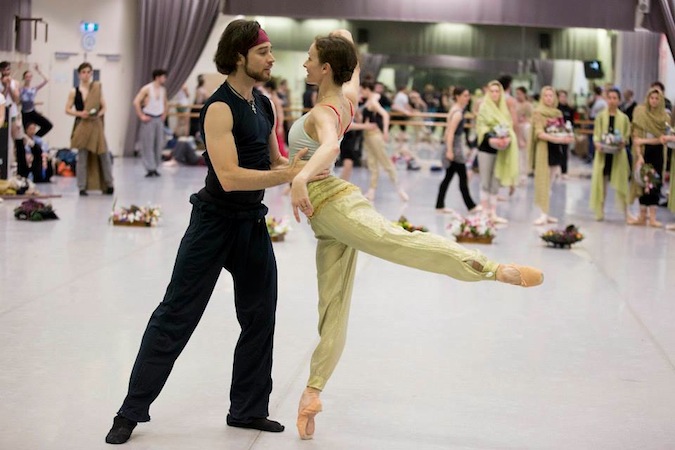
x,y
72,111
166,107
138,101
14,91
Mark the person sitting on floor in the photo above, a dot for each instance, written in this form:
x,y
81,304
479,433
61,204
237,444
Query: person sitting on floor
x,y
35,156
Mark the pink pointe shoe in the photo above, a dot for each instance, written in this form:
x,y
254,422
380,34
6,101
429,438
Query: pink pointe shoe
x,y
310,406
524,276
403,195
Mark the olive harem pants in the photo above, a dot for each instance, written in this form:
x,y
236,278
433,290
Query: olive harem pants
x,y
345,222
239,243
376,157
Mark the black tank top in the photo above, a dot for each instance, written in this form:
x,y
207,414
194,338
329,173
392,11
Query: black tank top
x,y
251,133
79,102
374,117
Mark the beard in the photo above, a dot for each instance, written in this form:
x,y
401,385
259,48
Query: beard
x,y
257,76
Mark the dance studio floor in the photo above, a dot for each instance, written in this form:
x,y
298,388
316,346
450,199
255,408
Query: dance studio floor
x,y
585,361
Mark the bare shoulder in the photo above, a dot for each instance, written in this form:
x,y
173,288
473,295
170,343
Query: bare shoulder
x,y
218,113
319,117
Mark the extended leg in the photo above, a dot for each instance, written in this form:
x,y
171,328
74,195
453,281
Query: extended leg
x,y
443,188
464,186
353,221
336,264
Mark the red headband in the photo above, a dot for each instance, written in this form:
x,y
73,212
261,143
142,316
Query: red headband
x,y
262,38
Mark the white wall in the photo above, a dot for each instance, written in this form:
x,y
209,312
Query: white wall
x,y
117,35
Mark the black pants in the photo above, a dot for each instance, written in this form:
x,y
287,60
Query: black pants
x,y
40,175
565,158
22,169
460,169
238,242
41,121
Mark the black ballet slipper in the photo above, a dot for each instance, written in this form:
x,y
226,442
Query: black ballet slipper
x,y
120,431
259,423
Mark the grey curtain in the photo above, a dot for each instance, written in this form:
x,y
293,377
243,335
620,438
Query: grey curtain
x,y
10,9
402,76
660,19
172,36
667,9
372,64
641,47
613,14
543,71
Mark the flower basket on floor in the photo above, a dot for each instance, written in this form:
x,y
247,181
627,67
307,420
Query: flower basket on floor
x,y
403,223
135,216
475,239
563,238
34,211
277,228
474,229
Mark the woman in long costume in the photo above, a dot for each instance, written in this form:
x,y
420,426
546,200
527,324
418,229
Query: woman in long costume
x,y
497,155
649,128
607,166
543,148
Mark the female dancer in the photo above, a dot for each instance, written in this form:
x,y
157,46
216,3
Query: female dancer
x,y
27,94
344,221
612,167
649,126
201,94
545,151
271,91
374,140
524,110
453,159
498,149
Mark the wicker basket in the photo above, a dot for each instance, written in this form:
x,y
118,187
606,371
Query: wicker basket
x,y
610,149
475,240
119,223
278,237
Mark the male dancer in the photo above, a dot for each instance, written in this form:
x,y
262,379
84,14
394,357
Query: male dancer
x,y
151,108
227,230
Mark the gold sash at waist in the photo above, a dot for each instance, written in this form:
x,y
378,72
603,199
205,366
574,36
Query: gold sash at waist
x,y
322,191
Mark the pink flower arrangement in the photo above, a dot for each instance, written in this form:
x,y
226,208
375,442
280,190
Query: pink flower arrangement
x,y
558,126
611,142
475,226
648,178
134,215
277,226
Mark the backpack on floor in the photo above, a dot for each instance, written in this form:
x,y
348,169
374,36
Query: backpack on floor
x,y
66,162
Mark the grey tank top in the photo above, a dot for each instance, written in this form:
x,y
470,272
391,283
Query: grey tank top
x,y
299,139
457,145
